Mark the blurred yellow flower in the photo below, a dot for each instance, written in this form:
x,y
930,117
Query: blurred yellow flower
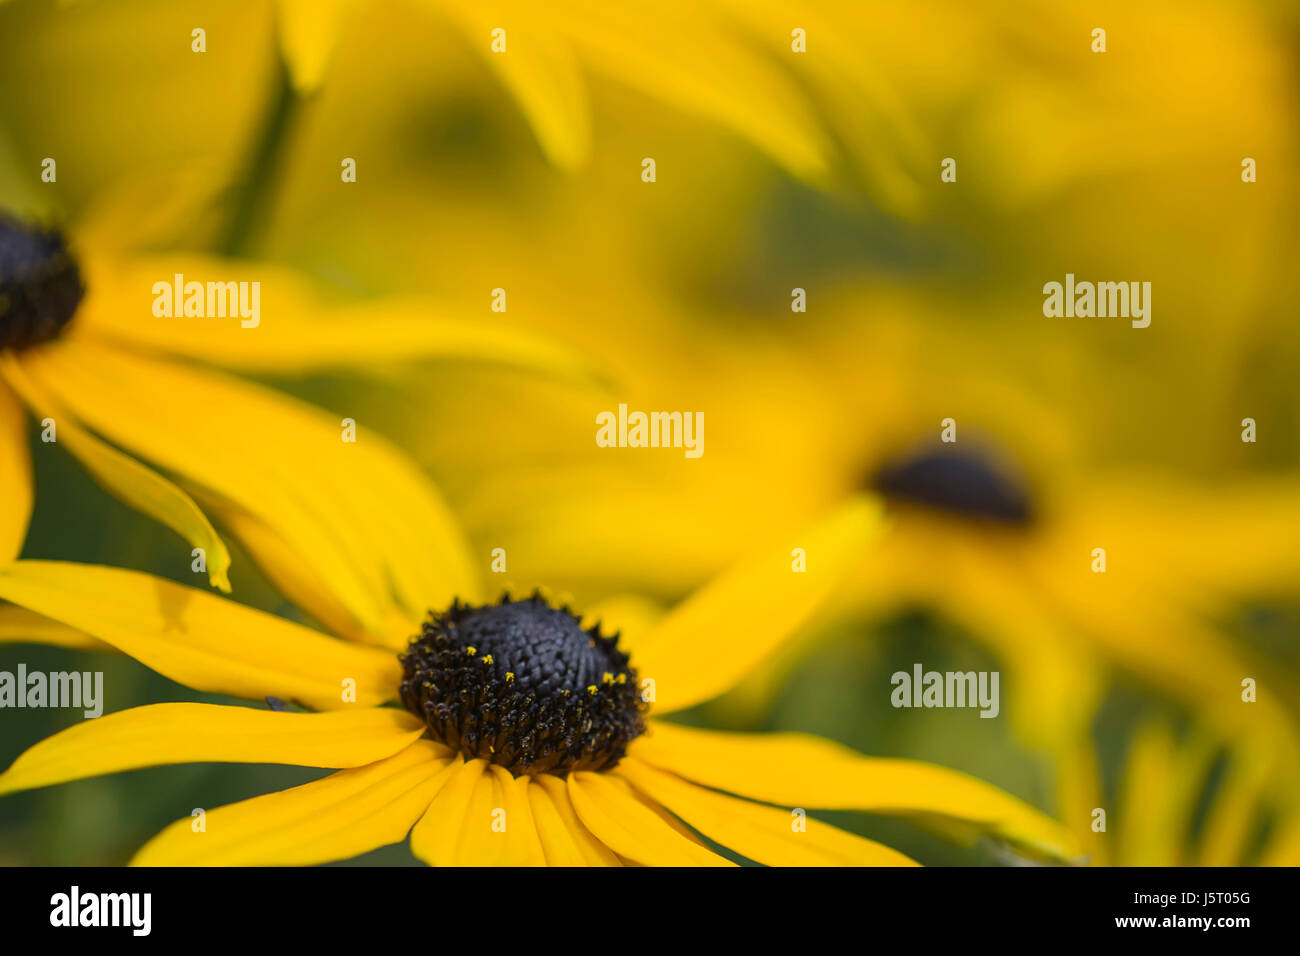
x,y
1180,800
85,345
695,58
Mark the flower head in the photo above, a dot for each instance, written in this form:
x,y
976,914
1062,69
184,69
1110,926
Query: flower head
x,y
523,685
530,737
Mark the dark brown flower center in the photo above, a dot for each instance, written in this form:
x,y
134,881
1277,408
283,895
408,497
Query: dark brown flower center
x,y
964,481
40,285
521,684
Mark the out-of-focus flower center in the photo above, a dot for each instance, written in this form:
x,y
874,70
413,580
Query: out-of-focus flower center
x,y
960,481
521,684
40,285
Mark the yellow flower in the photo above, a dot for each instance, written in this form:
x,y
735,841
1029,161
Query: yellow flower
x,y
117,380
527,738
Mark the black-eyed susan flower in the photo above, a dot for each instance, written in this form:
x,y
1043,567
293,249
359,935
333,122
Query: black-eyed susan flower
x,y
117,381
527,736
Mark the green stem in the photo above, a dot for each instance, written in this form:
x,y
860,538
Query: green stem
x,y
263,166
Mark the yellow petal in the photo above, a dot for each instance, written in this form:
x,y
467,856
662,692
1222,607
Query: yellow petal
x,y
540,71
456,830
662,812
716,637
857,92
1236,808
150,493
203,641
608,808
301,581
367,521
558,843
217,459
297,331
159,734
21,626
566,841
763,834
798,770
15,475
523,845
1157,799
341,816
124,477
309,30
1283,847
701,61
1077,772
